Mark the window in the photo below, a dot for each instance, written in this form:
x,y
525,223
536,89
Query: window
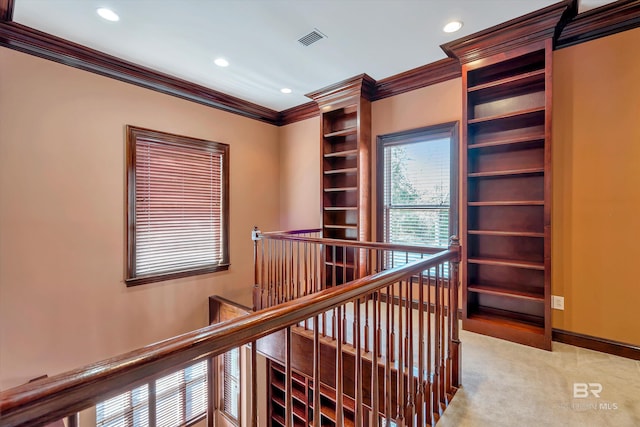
x,y
231,384
417,186
177,206
177,399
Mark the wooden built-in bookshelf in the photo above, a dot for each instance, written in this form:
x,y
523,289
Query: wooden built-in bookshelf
x,y
507,160
345,111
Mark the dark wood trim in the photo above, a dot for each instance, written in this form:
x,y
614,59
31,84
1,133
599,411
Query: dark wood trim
x,y
603,21
298,113
222,309
6,10
426,75
344,91
603,345
444,130
34,42
525,30
132,134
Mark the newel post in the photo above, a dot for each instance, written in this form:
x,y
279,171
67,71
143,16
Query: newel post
x,y
456,355
257,294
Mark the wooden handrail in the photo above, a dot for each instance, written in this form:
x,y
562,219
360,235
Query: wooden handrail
x,y
58,396
289,236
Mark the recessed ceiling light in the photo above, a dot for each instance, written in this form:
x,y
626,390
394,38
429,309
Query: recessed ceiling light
x,y
285,90
107,14
452,27
221,62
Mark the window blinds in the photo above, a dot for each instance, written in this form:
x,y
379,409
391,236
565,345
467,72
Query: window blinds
x,y
180,398
231,383
178,207
417,192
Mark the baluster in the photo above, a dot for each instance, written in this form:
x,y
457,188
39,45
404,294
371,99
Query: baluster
x,y
288,380
73,420
254,383
388,386
421,379
270,272
366,324
436,349
410,377
429,396
392,335
316,371
375,385
443,396
401,390
292,280
358,382
379,325
298,286
339,373
455,339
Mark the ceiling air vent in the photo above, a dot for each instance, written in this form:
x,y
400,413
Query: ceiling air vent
x,y
312,37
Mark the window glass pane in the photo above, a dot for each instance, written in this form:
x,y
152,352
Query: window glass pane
x,y
125,410
196,390
169,400
417,193
231,383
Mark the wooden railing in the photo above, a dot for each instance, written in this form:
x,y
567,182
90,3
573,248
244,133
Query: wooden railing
x,y
290,264
405,324
415,348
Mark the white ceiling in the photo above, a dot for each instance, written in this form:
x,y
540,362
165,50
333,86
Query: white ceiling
x,y
259,37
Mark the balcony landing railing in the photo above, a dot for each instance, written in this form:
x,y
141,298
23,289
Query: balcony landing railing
x,y
410,335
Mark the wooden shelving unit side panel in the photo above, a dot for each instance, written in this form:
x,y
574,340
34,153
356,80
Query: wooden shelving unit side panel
x,y
506,218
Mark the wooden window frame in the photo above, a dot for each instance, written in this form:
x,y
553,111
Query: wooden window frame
x,y
132,135
443,130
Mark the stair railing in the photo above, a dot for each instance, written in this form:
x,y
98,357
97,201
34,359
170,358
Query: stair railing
x,y
411,376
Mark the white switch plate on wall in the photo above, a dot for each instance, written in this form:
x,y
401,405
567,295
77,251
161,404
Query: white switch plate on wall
x,y
557,302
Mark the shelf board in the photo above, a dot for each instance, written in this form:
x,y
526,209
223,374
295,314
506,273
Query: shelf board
x,y
346,153
512,115
528,293
297,411
332,189
341,227
508,263
511,172
507,141
505,233
342,132
345,170
340,208
340,264
520,79
508,203
534,324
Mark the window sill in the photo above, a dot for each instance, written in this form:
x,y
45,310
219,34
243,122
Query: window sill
x,y
143,280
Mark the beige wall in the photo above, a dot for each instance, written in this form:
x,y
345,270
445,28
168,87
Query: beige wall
x,y
300,175
596,181
63,302
431,105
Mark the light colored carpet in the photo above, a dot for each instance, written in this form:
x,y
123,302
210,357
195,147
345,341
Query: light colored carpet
x,y
507,384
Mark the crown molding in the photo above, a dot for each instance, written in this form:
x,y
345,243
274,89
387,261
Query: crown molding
x,y
361,85
6,10
603,21
426,75
299,113
29,40
533,27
